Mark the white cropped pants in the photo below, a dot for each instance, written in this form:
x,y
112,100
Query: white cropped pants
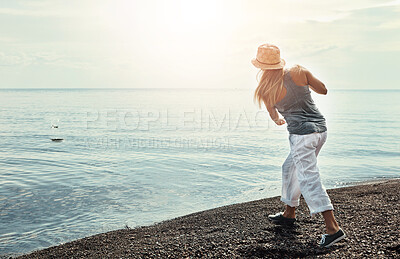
x,y
300,173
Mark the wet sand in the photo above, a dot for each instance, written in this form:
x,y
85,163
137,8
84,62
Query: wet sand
x,y
369,214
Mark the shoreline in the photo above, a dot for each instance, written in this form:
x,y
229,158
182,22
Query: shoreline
x,y
243,230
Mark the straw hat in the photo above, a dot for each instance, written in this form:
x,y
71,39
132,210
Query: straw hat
x,y
268,57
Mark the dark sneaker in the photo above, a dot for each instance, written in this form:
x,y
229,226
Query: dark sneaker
x,y
278,218
328,240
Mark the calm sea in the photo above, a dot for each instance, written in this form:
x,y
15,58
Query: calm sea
x,y
134,157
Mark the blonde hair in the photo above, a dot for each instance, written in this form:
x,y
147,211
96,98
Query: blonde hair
x,y
269,87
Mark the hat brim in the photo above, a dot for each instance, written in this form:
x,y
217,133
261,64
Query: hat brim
x,y
265,66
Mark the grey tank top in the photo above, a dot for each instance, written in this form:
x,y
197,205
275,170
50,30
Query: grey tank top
x,y
297,107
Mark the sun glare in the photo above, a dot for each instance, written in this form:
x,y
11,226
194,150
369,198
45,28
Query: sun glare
x,y
185,16
198,12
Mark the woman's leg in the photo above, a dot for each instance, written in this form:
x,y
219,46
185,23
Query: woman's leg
x,y
290,212
305,150
290,187
331,225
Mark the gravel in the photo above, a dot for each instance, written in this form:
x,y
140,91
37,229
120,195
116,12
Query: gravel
x,y
369,214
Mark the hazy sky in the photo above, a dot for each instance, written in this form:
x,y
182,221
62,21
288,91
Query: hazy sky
x,y
207,43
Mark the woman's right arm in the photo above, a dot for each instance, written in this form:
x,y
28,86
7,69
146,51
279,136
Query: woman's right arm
x,y
314,83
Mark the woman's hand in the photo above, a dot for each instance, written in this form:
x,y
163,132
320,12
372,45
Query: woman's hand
x,y
280,121
274,114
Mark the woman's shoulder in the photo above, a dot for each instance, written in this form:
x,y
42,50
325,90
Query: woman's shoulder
x,y
298,74
296,69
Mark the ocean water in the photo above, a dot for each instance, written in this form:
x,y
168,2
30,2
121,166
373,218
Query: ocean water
x,y
138,156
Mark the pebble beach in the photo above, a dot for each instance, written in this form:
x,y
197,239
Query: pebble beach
x,y
368,213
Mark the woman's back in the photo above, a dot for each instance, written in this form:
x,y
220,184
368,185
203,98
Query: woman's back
x,y
297,106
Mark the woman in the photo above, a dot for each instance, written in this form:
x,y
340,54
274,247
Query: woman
x,y
287,91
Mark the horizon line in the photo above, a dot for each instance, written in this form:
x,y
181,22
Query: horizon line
x,y
177,88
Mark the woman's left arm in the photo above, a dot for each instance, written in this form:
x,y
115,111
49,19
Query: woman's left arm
x,y
275,116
